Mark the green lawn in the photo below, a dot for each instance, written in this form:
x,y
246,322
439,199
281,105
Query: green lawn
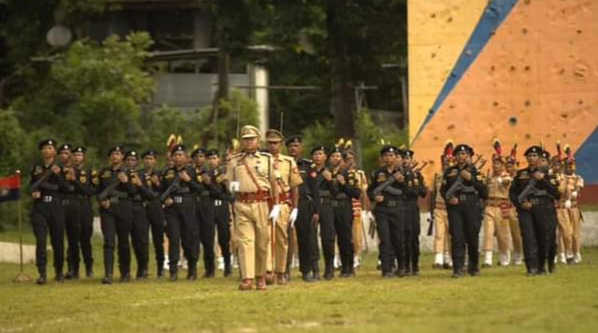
x,y
501,300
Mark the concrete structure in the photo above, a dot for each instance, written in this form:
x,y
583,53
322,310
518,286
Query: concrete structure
x,y
523,70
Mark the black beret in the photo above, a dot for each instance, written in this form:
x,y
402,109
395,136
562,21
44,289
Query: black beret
x,y
336,149
132,153
149,152
409,153
212,152
463,147
389,149
545,154
293,139
119,148
47,142
319,147
79,149
533,149
65,146
178,148
198,151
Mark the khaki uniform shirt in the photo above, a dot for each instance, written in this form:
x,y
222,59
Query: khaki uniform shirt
x,y
245,167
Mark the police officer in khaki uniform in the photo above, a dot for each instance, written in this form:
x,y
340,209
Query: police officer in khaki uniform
x,y
251,177
287,181
442,237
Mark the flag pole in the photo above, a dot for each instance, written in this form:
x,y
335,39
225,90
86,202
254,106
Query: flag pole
x,y
21,277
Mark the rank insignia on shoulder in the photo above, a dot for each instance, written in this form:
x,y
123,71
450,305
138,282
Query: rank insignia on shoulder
x,y
479,177
381,177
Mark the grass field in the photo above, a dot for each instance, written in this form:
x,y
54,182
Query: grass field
x,y
501,300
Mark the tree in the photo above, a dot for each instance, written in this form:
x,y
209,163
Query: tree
x,y
92,95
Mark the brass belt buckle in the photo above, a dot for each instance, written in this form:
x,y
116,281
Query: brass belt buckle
x,y
114,199
47,198
178,199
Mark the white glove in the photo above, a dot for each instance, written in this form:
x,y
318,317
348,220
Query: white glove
x,y
371,216
364,216
574,195
274,213
568,204
499,180
234,186
293,217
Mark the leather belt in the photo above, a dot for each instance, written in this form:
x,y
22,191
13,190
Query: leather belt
x,y
251,197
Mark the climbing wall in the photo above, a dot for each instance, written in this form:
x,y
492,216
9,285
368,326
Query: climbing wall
x,y
523,70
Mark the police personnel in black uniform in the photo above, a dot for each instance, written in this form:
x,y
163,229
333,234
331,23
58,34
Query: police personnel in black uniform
x,y
116,214
414,224
344,184
534,210
154,211
180,211
140,228
463,210
327,191
85,190
47,213
308,215
221,200
72,218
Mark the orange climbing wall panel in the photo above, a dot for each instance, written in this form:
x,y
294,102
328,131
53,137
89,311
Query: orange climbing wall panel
x,y
535,80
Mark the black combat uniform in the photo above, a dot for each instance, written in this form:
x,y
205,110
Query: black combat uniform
x,y
47,215
155,215
465,219
116,220
537,223
414,224
85,189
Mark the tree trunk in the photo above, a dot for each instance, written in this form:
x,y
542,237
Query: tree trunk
x,y
342,95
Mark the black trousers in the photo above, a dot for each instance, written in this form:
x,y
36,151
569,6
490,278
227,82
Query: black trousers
x,y
391,225
182,228
117,222
464,225
207,231
140,237
155,215
72,220
222,217
343,224
86,218
327,234
47,216
538,231
307,237
413,229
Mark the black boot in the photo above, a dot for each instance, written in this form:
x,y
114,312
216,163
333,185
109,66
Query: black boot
x,y
107,279
59,276
42,279
126,277
88,271
160,272
228,270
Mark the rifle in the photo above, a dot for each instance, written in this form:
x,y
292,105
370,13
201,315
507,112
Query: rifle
x,y
115,182
35,186
531,189
458,184
432,206
385,186
173,186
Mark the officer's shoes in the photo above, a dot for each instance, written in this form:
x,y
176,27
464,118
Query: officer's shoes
x,y
532,272
208,275
125,278
107,279
70,275
541,272
41,280
89,273
269,278
261,283
474,272
192,276
316,276
415,272
328,276
486,265
246,284
173,276
388,275
59,277
551,268
281,279
401,273
437,266
446,266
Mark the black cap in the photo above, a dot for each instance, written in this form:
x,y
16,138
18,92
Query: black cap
x,y
293,139
533,149
132,153
389,149
336,149
149,152
212,152
545,154
198,151
463,147
80,149
47,142
119,148
65,146
178,148
317,148
408,153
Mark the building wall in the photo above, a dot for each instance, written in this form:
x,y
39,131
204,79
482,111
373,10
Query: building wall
x,y
525,71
